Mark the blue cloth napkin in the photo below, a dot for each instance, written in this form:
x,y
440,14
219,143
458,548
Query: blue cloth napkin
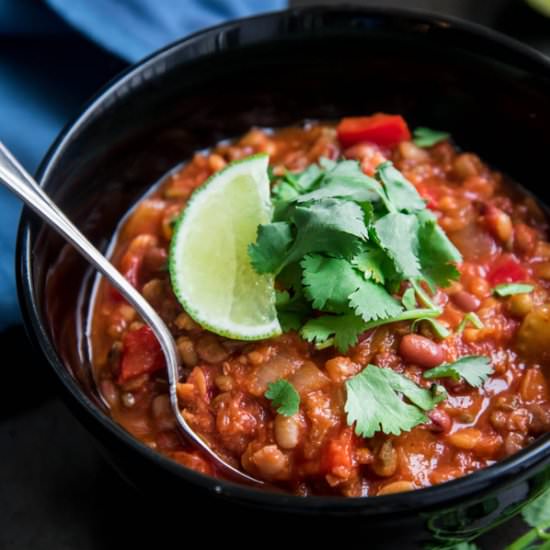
x,y
135,28
37,97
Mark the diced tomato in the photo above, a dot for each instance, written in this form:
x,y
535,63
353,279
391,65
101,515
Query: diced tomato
x,y
338,457
384,130
141,354
428,195
507,269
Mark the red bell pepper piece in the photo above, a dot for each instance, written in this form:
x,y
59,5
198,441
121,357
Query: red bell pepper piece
x,y
384,130
507,269
141,354
338,457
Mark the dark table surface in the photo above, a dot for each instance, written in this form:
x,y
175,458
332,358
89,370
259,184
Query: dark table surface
x,y
56,491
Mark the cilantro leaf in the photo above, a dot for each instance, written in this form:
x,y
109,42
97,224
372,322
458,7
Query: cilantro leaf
x,y
290,187
371,302
402,194
308,179
284,191
284,397
270,248
344,328
291,277
437,253
350,189
426,137
474,369
397,234
509,289
290,320
374,402
370,261
537,512
329,225
329,281
327,164
291,311
346,180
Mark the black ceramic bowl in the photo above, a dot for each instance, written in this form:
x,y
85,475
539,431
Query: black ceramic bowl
x,y
275,70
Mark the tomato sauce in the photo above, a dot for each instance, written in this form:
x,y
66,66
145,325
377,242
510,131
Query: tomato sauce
x,y
502,235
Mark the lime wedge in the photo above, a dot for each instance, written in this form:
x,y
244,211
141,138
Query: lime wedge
x,y
209,265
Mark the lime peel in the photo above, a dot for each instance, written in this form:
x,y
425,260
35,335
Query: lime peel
x,y
210,269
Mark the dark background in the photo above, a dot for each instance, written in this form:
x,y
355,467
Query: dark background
x,y
56,491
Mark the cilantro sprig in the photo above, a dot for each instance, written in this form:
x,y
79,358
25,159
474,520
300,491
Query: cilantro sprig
x,y
474,369
344,244
284,397
374,402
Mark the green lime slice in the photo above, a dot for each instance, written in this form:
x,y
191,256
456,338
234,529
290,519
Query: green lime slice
x,y
209,265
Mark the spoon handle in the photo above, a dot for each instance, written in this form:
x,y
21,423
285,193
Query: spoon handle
x,y
20,182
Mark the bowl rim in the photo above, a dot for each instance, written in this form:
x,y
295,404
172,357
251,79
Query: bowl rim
x,y
503,472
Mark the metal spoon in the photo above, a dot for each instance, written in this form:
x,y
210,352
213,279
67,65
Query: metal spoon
x,y
20,182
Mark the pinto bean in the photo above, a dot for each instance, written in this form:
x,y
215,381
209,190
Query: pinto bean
x,y
287,431
155,259
162,412
421,351
210,350
466,301
441,422
270,461
466,438
513,443
525,238
466,165
385,462
499,224
184,322
479,287
224,383
187,351
409,151
540,418
153,291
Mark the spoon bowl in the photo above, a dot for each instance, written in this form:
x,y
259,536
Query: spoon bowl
x,y
20,182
